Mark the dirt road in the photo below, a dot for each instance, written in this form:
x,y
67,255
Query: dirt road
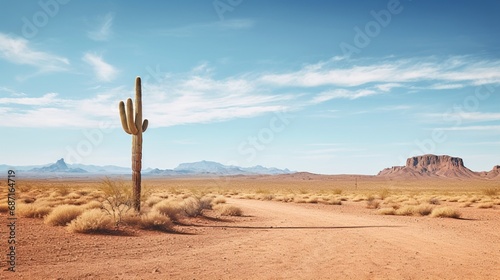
x,y
275,240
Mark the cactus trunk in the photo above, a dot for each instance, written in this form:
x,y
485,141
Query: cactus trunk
x,y
133,124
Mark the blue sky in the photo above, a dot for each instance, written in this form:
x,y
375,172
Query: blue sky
x,y
328,87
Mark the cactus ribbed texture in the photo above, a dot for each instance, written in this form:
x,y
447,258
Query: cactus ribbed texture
x,y
133,124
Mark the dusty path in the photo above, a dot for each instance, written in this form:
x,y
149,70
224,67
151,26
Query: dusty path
x,y
275,241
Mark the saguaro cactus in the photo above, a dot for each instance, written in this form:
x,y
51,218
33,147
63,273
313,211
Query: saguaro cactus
x,y
133,124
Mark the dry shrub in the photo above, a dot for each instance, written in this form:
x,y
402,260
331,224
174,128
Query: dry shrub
x,y
63,191
386,211
405,210
32,210
192,206
372,203
423,209
90,221
152,201
496,202
383,194
491,191
265,197
73,195
228,210
434,201
359,198
206,202
445,212
485,205
218,200
170,208
337,191
82,192
330,201
63,214
334,201
94,204
154,220
474,199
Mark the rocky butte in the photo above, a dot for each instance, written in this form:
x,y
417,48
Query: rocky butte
x,y
437,166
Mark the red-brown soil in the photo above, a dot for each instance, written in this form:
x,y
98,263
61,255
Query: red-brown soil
x,y
274,240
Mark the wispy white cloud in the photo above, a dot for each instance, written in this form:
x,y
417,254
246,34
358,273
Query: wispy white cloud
x,y
464,116
18,51
343,93
51,110
102,31
451,73
203,99
104,71
492,128
445,86
198,97
49,98
187,98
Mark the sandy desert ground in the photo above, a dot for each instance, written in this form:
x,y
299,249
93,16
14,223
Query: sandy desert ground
x,y
278,240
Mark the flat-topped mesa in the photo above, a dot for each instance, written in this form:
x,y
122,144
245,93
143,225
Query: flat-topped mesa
x,y
430,166
430,163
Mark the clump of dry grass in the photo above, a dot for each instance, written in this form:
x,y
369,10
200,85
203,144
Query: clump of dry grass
x,y
152,201
372,203
63,214
228,210
445,212
218,200
192,206
405,210
386,211
313,199
485,205
94,204
32,210
170,208
90,221
337,191
491,191
152,220
206,202
423,209
434,201
265,197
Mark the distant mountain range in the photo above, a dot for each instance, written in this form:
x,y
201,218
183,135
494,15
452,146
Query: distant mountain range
x,y
61,168
210,167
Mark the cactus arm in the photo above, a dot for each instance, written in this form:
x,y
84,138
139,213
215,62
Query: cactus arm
x,y
123,117
130,117
138,103
145,125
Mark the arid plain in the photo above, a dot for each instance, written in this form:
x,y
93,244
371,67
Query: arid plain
x,y
300,226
